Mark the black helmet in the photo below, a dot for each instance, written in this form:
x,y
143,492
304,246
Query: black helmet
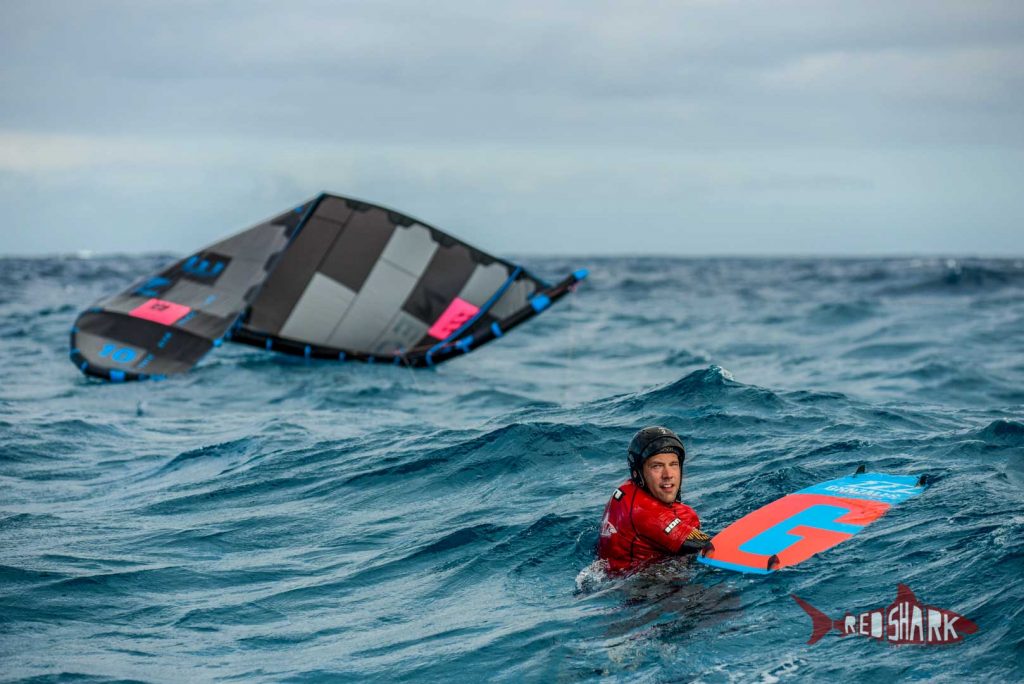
x,y
649,442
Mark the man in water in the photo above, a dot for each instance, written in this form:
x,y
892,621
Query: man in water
x,y
644,520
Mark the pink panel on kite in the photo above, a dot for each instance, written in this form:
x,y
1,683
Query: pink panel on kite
x,y
159,311
457,313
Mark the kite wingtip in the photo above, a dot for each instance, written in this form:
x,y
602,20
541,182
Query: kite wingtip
x,y
539,302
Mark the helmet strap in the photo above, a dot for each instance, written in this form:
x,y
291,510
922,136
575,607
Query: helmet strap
x,y
638,479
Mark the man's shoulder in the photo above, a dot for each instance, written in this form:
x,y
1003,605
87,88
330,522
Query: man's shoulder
x,y
685,513
623,489
627,496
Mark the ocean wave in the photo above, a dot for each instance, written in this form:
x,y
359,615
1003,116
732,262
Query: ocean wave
x,y
842,313
291,519
1002,432
962,276
713,385
884,350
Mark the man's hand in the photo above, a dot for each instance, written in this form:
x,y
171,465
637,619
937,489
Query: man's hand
x,y
695,541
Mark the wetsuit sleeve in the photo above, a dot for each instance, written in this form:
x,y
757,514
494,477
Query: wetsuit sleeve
x,y
667,529
695,541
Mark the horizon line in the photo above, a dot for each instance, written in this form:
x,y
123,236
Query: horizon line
x,y
89,254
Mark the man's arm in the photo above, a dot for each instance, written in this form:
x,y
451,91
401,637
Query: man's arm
x,y
694,542
672,535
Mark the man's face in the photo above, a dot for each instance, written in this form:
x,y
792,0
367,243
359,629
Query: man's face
x,y
662,475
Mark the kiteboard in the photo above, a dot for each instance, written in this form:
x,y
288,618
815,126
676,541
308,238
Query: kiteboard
x,y
800,525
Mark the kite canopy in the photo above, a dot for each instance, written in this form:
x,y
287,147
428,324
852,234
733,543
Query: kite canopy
x,y
334,278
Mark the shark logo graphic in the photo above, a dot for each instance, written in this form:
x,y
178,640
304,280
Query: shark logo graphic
x,y
904,621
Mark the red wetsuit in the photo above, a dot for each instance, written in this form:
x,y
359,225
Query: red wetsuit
x,y
637,529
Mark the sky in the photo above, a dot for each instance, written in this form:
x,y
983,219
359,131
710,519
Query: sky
x,y
817,127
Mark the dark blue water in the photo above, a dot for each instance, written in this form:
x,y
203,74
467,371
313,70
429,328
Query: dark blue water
x,y
265,518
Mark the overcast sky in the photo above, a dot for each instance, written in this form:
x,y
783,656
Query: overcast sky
x,y
710,127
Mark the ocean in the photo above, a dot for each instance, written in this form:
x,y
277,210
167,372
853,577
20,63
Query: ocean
x,y
266,518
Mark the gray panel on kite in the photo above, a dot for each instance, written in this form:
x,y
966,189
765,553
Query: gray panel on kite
x,y
515,298
242,273
410,249
382,295
403,332
357,248
320,307
203,298
265,238
286,283
483,283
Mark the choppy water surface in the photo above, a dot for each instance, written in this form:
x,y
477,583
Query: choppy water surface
x,y
265,518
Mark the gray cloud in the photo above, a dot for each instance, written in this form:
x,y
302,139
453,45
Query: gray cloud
x,y
719,119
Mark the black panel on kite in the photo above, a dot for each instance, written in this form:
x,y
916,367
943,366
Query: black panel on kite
x,y
334,278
